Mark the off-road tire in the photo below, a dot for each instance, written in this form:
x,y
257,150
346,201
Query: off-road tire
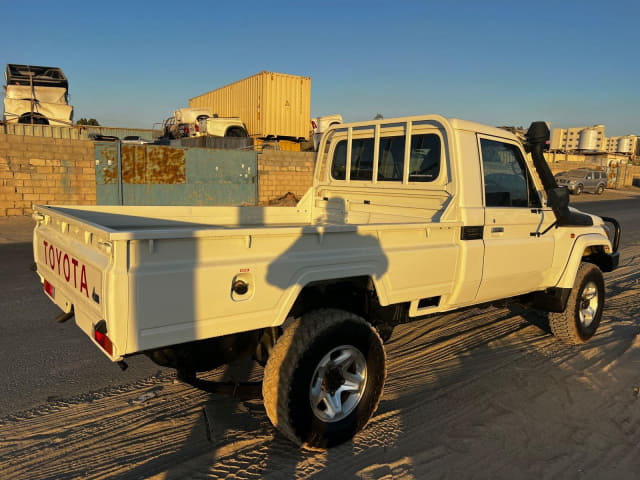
x,y
567,326
286,387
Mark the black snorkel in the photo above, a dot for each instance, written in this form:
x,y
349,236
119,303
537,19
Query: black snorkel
x,y
557,197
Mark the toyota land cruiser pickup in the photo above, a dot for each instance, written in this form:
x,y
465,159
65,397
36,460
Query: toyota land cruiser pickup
x,y
406,217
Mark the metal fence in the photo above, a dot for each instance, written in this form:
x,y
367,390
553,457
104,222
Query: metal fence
x,y
217,143
75,132
166,175
48,131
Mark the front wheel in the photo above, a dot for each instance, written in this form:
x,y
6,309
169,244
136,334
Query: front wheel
x,y
580,319
577,190
324,378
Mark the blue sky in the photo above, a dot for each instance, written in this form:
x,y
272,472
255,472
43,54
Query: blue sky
x,y
498,62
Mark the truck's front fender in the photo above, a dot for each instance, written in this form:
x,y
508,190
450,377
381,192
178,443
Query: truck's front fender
x,y
581,250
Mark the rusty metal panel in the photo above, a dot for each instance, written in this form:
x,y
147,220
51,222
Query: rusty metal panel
x,y
268,103
146,164
163,175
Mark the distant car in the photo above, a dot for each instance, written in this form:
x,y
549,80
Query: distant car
x,y
135,140
97,137
583,180
320,124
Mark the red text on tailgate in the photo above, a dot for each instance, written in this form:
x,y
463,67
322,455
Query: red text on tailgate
x,y
67,267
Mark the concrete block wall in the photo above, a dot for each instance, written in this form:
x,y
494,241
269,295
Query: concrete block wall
x,y
562,166
280,172
40,170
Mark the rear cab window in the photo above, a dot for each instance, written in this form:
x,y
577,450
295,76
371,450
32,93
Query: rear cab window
x,y
386,161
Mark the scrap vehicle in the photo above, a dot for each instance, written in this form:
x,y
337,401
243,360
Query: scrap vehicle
x,y
407,217
319,125
195,122
36,95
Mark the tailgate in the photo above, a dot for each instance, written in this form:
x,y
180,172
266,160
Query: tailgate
x,y
73,261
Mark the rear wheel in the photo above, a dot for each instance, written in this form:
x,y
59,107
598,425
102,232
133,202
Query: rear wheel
x,y
600,190
580,319
324,378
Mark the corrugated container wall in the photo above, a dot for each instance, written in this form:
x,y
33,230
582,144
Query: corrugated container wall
x,y
268,103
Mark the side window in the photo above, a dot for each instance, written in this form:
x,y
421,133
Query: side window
x,y
391,161
506,178
424,159
362,159
339,162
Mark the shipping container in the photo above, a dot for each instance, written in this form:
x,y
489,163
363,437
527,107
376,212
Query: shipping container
x,y
270,104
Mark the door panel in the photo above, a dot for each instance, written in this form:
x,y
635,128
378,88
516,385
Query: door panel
x,y
516,258
515,262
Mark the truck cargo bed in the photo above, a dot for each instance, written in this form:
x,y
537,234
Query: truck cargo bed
x,y
121,222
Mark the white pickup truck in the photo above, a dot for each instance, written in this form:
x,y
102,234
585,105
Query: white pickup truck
x,y
407,217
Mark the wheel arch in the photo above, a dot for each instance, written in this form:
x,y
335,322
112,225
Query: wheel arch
x,y
346,293
586,248
236,128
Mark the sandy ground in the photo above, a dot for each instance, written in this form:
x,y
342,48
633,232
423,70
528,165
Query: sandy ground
x,y
477,394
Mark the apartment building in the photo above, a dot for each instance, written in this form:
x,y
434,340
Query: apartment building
x,y
591,140
586,139
628,144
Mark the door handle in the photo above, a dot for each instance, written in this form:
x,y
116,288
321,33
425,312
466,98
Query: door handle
x,y
497,229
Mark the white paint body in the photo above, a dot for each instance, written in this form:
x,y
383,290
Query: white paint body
x,y
160,276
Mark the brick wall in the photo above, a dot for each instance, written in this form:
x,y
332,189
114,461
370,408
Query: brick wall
x,y
558,167
39,170
280,172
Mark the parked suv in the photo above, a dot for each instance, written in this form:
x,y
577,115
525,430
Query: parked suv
x,y
583,180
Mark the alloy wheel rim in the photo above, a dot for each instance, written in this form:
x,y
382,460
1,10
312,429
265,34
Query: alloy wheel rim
x,y
338,383
589,303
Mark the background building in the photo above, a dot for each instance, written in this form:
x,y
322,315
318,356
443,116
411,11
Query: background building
x,y
585,139
627,144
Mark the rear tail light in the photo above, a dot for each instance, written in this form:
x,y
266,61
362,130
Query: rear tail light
x,y
314,124
49,289
103,341
197,127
